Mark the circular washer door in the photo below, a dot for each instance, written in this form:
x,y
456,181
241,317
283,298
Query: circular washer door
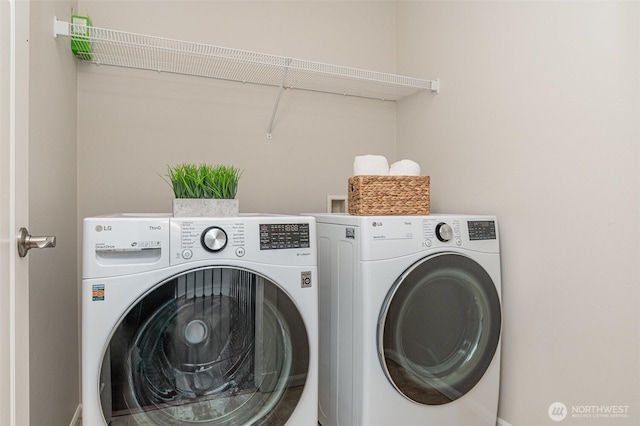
x,y
439,328
214,346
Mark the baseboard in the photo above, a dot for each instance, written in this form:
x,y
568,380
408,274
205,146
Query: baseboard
x,y
76,416
501,422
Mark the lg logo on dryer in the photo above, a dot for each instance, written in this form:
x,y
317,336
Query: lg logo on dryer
x,y
378,223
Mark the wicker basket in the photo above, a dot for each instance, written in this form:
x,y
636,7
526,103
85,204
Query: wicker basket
x,y
388,195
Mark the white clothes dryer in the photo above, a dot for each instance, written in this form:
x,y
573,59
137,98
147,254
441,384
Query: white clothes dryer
x,y
208,321
410,320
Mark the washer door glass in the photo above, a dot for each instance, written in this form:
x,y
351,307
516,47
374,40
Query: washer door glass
x,y
214,346
439,329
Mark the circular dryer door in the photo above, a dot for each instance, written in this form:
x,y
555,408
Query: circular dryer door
x,y
439,328
214,346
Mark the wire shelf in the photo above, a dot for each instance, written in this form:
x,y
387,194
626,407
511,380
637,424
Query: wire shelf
x,y
123,49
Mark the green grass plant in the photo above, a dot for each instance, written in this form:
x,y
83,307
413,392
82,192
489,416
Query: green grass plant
x,y
190,180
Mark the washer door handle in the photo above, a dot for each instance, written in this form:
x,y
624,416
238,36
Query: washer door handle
x,y
26,242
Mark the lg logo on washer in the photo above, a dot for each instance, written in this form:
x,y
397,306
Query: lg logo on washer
x,y
100,228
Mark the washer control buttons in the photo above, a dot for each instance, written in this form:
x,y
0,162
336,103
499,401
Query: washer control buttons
x,y
444,232
187,254
240,251
213,239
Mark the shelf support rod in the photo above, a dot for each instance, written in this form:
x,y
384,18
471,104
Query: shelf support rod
x,y
285,70
60,28
435,85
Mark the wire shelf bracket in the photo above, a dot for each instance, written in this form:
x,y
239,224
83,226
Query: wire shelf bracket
x,y
130,50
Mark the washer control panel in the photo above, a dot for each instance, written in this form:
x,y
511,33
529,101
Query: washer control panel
x,y
277,236
264,239
193,239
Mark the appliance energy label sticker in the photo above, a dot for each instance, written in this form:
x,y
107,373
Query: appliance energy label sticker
x,y
97,292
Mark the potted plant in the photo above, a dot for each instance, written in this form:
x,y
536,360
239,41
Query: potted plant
x,y
204,189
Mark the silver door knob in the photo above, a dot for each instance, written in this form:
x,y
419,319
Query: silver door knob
x,y
27,242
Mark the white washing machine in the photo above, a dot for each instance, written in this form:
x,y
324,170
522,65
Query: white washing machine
x,y
410,320
208,321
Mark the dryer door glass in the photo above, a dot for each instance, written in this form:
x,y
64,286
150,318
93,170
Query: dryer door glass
x,y
214,346
439,329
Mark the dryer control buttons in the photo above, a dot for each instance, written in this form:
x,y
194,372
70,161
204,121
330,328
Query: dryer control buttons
x,y
444,232
213,239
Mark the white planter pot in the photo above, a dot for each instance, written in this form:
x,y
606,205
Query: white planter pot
x,y
205,207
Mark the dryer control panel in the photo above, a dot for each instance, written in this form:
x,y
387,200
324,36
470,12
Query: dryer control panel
x,y
482,230
472,232
385,236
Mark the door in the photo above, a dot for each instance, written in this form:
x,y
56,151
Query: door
x,y
439,329
38,293
14,278
212,346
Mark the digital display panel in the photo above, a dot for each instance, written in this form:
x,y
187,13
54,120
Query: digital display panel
x,y
276,236
482,230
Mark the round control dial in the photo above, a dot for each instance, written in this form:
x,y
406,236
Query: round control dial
x,y
444,232
213,239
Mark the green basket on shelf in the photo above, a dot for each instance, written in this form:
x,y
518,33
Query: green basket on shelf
x,y
80,37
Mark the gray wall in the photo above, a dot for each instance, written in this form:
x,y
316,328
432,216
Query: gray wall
x,y
537,122
132,124
53,292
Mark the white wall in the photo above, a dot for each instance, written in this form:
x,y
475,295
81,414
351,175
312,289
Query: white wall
x,y
537,122
132,124
52,175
